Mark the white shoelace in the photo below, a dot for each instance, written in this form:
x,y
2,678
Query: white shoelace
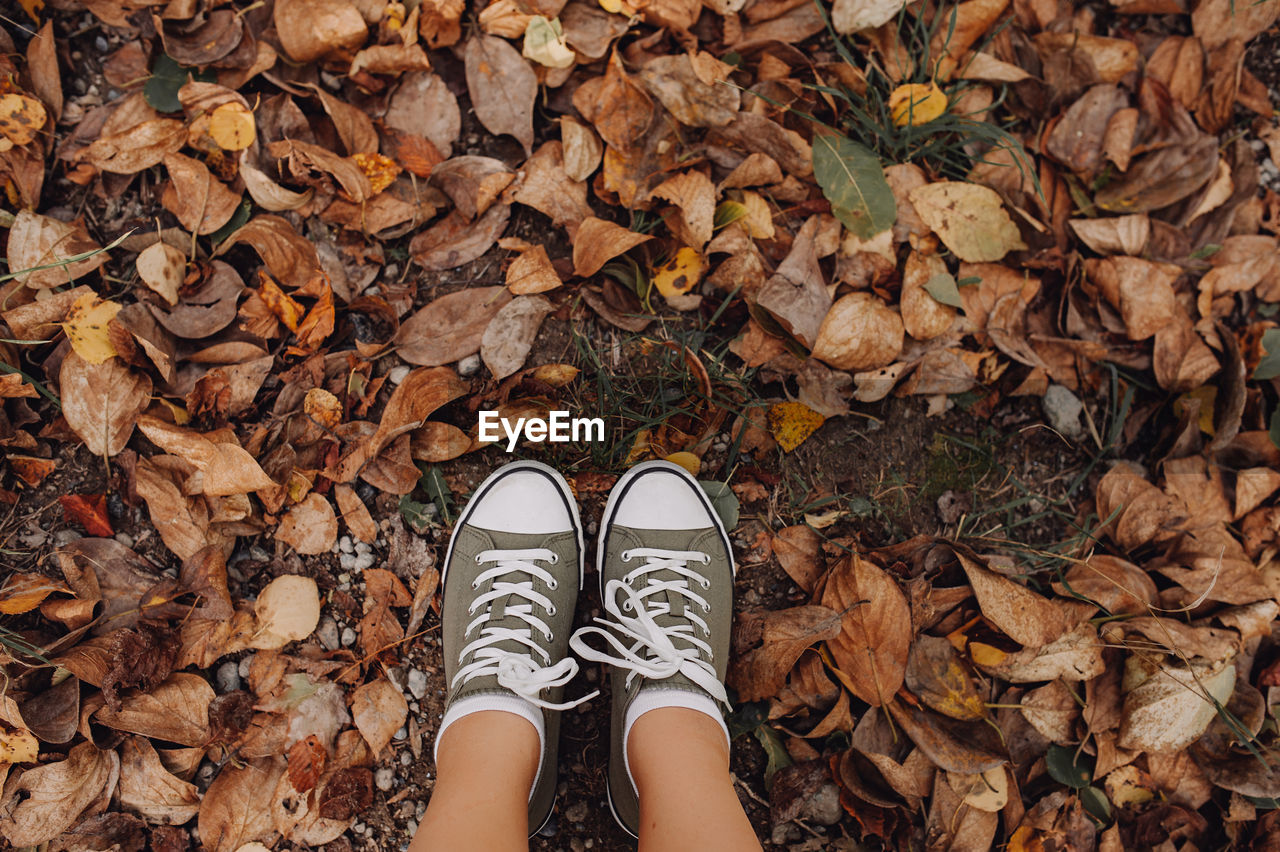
x,y
661,658
519,672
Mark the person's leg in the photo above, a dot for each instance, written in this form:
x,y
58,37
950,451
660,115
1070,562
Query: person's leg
x,y
680,762
485,766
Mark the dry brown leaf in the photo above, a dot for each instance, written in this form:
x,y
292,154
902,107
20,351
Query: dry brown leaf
x,y
236,809
291,259
531,272
309,29
472,182
598,242
508,338
162,268
227,467
936,676
177,710
137,148
36,240
56,794
437,442
1167,706
202,203
1118,586
761,672
547,187
695,195
451,327
268,194
796,294
503,88
453,240
424,106
310,527
923,316
798,549
378,709
871,650
965,747
1181,360
1126,235
355,514
1141,290
618,108
149,789
101,402
860,332
694,103
582,149
1024,616
968,218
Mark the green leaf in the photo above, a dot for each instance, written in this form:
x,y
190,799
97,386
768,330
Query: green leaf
x,y
1269,366
1064,768
724,501
416,515
167,77
237,220
437,490
942,287
727,213
1095,802
853,181
774,750
747,718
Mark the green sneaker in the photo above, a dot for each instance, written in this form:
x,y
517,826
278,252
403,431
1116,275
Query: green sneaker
x,y
512,575
666,580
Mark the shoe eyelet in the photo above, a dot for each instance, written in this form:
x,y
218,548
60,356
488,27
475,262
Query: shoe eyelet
x,y
626,606
477,558
475,585
625,556
549,636
706,584
706,632
555,559
706,607
553,584
551,610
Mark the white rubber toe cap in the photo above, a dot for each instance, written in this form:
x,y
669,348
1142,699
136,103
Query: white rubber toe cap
x,y
661,499
523,501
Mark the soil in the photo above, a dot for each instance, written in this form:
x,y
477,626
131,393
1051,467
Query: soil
x,y
890,470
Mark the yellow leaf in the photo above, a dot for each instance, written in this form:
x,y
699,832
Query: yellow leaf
x,y
86,328
639,448
378,168
21,118
986,655
32,8
232,126
679,274
322,407
281,303
544,43
1208,395
179,412
916,103
18,746
162,268
611,6
688,461
792,422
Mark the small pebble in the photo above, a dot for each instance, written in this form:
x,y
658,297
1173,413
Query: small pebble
x,y
406,759
411,827
327,633
125,539
344,544
245,664
469,366
577,812
228,677
396,374
576,845
384,778
417,683
401,732
348,637
64,537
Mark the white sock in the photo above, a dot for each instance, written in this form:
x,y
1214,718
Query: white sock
x,y
656,698
507,704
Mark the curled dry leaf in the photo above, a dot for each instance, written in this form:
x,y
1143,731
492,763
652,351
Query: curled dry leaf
x,y
796,294
1125,235
290,257
202,203
860,332
54,795
1024,616
453,240
87,327
531,272
598,242
935,675
101,402
509,337
227,467
1141,290
798,549
310,527
761,672
355,514
582,149
451,327
177,710
923,316
472,182
137,148
378,709
871,649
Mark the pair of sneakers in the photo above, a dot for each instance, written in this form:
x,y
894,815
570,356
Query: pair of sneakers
x,y
511,580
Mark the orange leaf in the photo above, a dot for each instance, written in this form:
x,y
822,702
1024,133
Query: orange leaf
x,y
89,511
306,762
281,303
380,169
318,324
24,592
31,469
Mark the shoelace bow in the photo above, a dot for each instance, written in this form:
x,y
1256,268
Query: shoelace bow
x,y
661,658
519,672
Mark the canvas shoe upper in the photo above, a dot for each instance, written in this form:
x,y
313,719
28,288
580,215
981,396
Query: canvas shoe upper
x,y
666,578
512,575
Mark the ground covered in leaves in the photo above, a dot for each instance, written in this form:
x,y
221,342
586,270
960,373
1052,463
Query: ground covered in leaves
x,y
964,314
